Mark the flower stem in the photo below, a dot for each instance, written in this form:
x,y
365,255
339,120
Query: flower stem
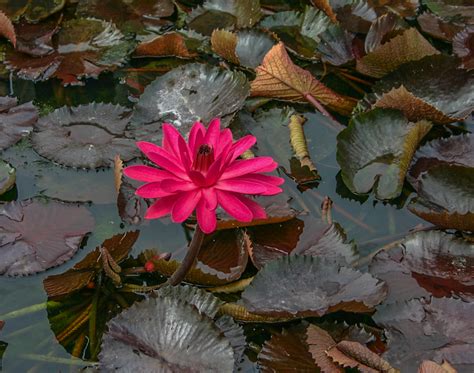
x,y
189,259
334,123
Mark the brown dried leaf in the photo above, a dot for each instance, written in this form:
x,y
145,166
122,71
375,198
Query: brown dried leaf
x,y
224,44
319,341
408,46
428,366
278,77
6,28
118,172
172,44
355,355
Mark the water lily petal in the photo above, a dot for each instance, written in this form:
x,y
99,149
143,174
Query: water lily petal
x,y
168,164
233,206
268,179
161,208
151,190
213,133
225,142
206,217
170,139
173,186
210,196
242,145
185,205
242,186
146,173
185,155
196,137
258,211
247,166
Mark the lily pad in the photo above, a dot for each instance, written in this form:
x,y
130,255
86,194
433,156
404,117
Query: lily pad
x,y
144,338
189,93
305,286
425,264
7,177
382,30
300,31
35,236
336,46
463,47
15,121
246,47
85,47
215,14
174,44
375,151
86,136
36,39
41,9
438,27
432,88
442,173
418,330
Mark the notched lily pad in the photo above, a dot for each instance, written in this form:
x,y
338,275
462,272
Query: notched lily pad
x,y
189,93
376,149
16,121
305,286
175,44
145,338
336,46
433,88
86,136
427,263
35,236
442,173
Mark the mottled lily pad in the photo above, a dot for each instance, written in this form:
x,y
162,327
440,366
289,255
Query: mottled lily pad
x,y
336,46
35,236
382,30
189,93
177,44
375,151
438,329
246,47
87,136
214,14
15,121
7,177
32,10
442,173
463,47
144,338
299,30
433,88
304,286
84,48
439,28
425,264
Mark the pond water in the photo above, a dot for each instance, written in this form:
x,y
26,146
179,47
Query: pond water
x,y
28,340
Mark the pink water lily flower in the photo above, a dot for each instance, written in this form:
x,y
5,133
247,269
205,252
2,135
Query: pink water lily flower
x,y
202,174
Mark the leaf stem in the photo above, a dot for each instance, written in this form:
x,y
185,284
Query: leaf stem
x,y
338,126
189,259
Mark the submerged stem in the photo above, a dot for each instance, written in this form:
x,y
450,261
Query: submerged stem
x,y
189,259
334,123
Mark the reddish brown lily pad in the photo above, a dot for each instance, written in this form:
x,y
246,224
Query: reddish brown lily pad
x,y
463,47
87,136
35,236
15,121
304,286
427,263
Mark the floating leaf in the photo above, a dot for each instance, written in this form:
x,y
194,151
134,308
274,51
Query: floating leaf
x,y
144,338
417,330
437,27
382,30
37,39
424,264
84,272
38,10
443,175
376,149
278,77
422,92
15,121
319,341
235,334
246,47
215,14
170,44
428,366
325,5
463,47
336,46
35,236
189,93
86,136
286,351
299,31
85,47
304,286
7,29
406,47
354,16
7,177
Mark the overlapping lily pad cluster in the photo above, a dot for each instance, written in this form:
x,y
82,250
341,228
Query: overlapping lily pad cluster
x,y
394,82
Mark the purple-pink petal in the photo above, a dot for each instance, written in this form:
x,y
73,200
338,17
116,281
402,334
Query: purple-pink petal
x,y
206,217
213,133
151,190
196,136
210,196
242,186
233,206
258,211
146,173
185,205
247,166
161,208
242,145
168,164
173,186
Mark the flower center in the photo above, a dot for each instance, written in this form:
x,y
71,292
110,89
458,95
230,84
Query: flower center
x,y
204,158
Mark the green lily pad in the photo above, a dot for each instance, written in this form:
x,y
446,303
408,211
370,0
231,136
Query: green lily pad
x,y
219,14
433,88
306,286
376,149
443,175
144,338
299,30
7,177
38,10
189,93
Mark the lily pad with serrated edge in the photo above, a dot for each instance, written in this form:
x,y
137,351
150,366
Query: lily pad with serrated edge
x,y
336,46
144,338
427,263
35,236
86,136
306,286
16,121
189,93
376,149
